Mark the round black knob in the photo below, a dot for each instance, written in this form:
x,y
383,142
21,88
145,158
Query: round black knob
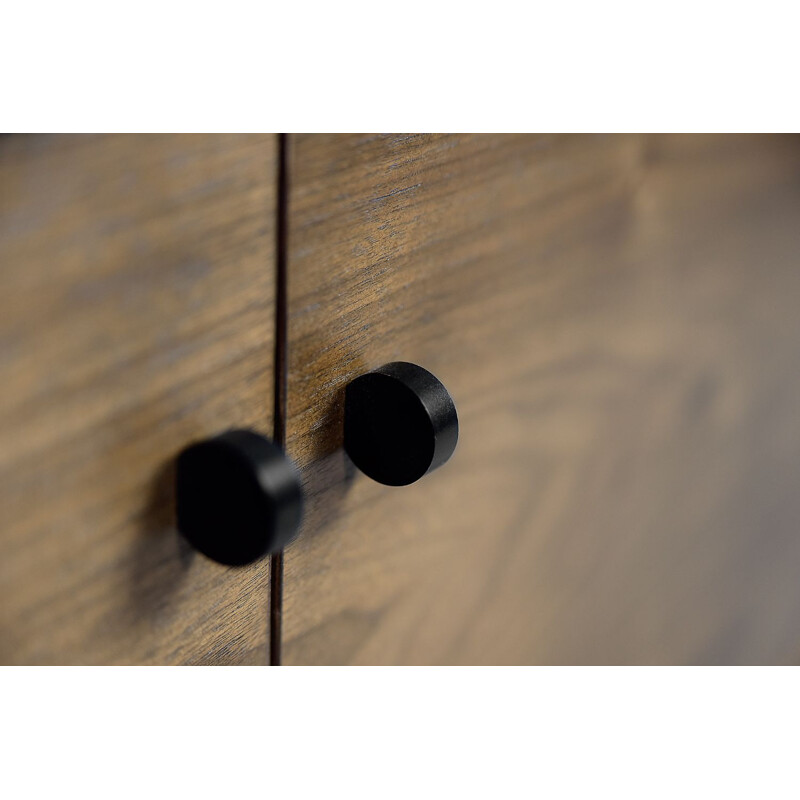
x,y
238,497
399,423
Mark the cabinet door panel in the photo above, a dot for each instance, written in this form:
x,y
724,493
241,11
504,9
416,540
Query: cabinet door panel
x,y
615,317
136,315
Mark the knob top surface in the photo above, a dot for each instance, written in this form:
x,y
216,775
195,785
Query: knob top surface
x,y
238,497
399,423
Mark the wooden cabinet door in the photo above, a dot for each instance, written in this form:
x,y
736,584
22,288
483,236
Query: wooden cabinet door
x,y
616,319
136,315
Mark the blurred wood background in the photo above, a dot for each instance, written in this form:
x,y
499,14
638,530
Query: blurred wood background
x,y
616,318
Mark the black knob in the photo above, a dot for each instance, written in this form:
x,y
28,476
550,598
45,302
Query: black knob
x,y
399,423
238,497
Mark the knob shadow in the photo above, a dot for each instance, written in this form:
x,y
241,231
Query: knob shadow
x,y
329,475
161,556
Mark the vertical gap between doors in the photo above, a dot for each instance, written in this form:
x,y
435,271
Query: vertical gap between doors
x,y
280,380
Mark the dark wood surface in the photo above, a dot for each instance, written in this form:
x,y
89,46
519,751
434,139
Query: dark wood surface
x,y
136,315
616,318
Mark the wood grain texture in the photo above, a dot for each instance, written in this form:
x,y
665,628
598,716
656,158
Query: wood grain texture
x,y
136,315
616,318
